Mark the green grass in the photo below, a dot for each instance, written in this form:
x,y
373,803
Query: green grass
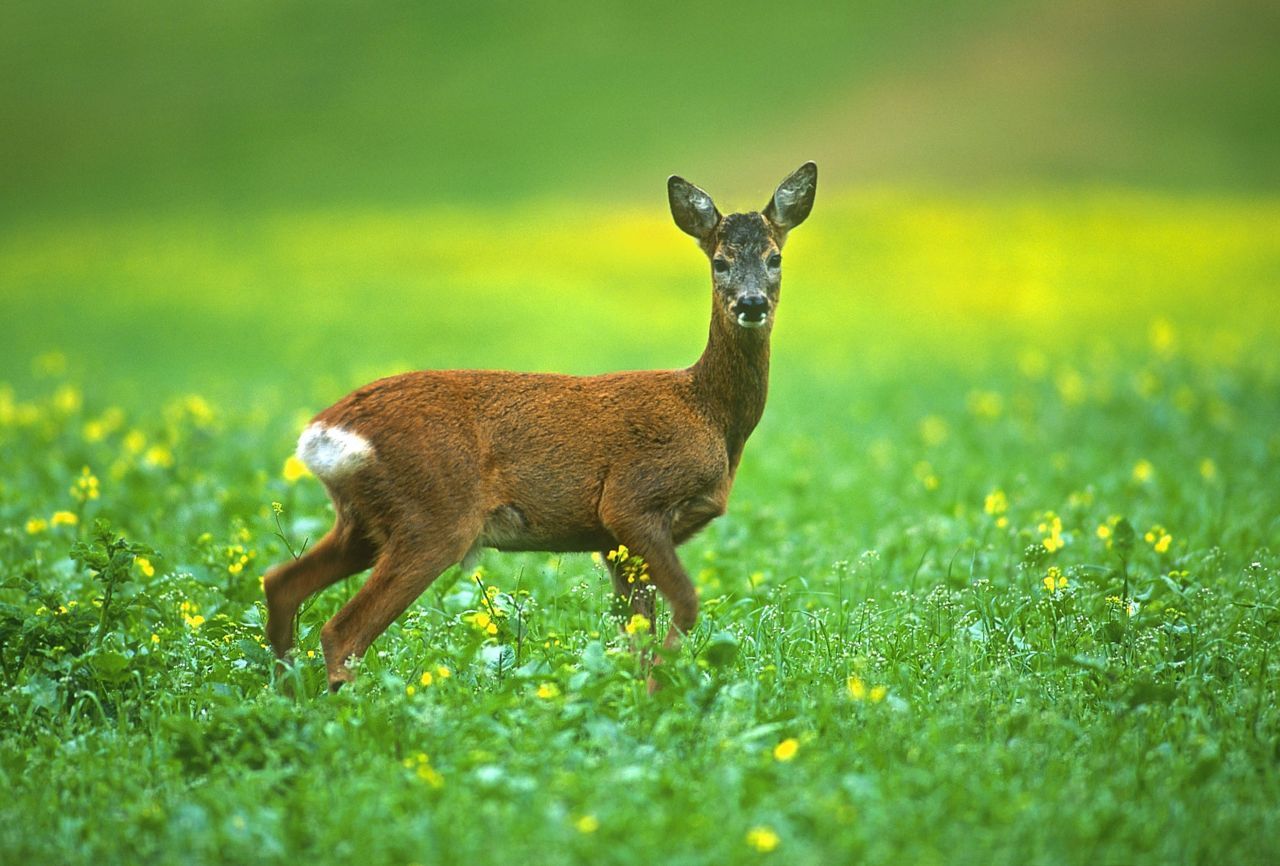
x,y
1091,357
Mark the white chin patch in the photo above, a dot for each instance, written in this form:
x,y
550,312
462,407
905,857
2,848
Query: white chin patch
x,y
333,453
744,322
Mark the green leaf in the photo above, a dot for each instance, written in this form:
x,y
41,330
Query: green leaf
x,y
110,666
721,650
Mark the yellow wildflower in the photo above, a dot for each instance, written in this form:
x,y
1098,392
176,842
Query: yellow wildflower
x,y
145,566
762,838
638,624
1159,538
294,469
547,691
135,442
189,615
421,766
159,456
857,688
1143,471
86,486
587,824
410,690
629,565
199,409
426,679
786,750
878,693
36,525
482,621
1051,528
155,638
1054,580
443,672
67,399
996,504
64,518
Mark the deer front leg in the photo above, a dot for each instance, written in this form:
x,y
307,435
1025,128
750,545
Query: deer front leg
x,y
634,596
649,536
634,593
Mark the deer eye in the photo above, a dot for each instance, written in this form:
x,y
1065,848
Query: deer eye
x,y
719,265
775,261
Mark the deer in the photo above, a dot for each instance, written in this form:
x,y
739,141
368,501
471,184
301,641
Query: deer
x,y
425,469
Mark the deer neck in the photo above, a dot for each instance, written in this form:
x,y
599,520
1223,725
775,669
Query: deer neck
x,y
731,380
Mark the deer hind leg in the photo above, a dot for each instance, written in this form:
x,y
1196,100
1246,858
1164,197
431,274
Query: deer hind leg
x,y
406,566
341,553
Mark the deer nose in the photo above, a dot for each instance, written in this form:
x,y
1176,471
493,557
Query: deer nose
x,y
751,309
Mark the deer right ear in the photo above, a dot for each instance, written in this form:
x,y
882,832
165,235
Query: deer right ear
x,y
693,209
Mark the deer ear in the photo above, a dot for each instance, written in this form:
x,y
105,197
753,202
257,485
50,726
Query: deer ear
x,y
693,209
793,199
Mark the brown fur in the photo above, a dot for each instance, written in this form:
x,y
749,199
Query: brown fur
x,y
522,461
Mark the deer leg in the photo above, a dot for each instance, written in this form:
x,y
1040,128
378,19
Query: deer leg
x,y
651,540
341,553
404,569
637,597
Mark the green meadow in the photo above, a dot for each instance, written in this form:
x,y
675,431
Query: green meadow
x,y
999,580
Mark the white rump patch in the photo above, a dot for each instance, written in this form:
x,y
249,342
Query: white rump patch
x,y
333,453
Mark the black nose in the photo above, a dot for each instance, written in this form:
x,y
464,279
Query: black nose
x,y
752,308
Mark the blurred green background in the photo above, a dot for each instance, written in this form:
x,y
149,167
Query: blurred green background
x,y
139,105
1039,291
233,196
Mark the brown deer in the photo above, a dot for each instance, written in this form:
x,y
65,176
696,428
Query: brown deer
x,y
426,468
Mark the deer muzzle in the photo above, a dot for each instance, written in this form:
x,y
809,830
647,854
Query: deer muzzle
x,y
752,310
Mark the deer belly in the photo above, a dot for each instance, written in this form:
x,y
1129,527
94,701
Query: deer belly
x,y
512,528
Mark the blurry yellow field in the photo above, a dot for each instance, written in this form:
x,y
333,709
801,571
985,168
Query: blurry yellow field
x,y
878,275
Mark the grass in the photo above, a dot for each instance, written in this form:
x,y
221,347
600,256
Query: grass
x,y
927,634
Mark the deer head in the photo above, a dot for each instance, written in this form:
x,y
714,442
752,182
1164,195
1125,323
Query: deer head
x,y
745,249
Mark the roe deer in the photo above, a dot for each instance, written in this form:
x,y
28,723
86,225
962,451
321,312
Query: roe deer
x,y
425,468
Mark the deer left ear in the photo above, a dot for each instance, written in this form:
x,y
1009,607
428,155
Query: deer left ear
x,y
793,199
